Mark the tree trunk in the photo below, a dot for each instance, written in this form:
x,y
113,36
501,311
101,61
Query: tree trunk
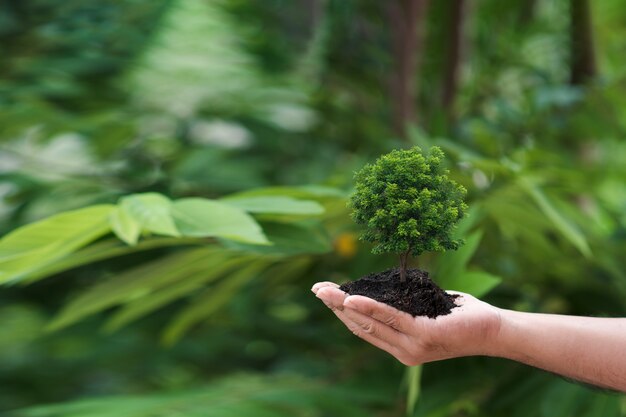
x,y
407,19
583,60
526,13
453,56
314,9
404,257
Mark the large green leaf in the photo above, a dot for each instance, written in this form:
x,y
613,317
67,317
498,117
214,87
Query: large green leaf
x,y
38,244
125,226
134,284
289,239
560,222
194,278
472,217
151,211
452,263
211,300
477,283
199,217
275,205
303,191
452,273
287,269
105,249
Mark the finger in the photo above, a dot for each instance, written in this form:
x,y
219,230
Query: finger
x,y
394,318
359,331
374,327
319,285
332,297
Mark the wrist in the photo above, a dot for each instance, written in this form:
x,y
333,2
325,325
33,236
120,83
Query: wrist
x,y
505,342
486,336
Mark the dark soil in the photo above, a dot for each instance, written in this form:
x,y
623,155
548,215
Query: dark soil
x,y
418,296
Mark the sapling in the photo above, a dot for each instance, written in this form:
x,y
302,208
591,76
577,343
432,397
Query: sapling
x,y
408,204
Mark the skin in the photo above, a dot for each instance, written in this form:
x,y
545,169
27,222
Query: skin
x,y
588,349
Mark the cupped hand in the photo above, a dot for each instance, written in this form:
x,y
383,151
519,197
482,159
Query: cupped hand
x,y
470,329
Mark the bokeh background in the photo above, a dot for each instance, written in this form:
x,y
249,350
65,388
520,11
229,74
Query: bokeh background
x,y
275,104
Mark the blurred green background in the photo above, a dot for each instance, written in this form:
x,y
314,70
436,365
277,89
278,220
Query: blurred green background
x,y
112,113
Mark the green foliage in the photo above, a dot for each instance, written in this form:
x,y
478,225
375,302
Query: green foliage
x,y
50,246
452,270
47,241
47,36
255,395
275,205
200,217
560,222
121,109
28,250
408,203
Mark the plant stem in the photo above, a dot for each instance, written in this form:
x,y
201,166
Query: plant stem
x,y
403,261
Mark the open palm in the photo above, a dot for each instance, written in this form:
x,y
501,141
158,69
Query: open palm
x,y
467,330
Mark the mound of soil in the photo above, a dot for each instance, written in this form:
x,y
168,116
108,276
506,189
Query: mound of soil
x,y
418,295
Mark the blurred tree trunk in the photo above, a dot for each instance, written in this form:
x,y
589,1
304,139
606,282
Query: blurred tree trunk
x,y
583,61
453,56
314,10
407,18
526,12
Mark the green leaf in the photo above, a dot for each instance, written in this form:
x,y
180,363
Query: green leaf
x,y
186,283
603,405
275,205
452,263
106,249
289,239
211,300
133,284
199,217
30,247
233,396
152,212
562,224
302,192
288,269
571,398
413,381
474,214
452,271
477,283
125,226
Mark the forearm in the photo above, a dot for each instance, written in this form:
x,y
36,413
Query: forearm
x,y
588,349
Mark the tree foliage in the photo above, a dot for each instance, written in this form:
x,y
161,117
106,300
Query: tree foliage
x,y
407,203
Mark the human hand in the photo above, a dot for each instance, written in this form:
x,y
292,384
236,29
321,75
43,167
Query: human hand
x,y
469,329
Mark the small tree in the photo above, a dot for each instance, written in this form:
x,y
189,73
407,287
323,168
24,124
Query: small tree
x,y
408,204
